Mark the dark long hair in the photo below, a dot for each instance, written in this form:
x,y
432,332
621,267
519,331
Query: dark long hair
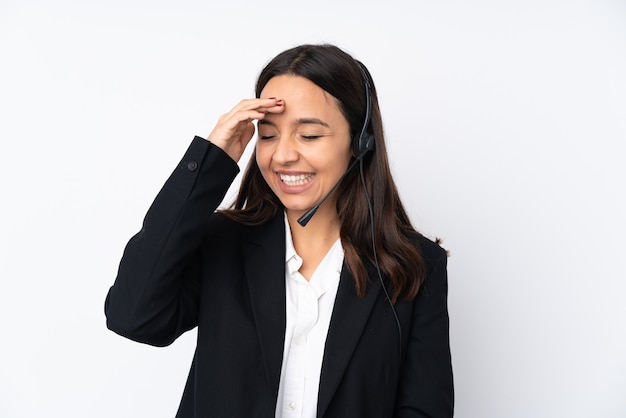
x,y
399,259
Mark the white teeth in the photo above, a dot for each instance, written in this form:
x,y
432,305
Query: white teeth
x,y
296,180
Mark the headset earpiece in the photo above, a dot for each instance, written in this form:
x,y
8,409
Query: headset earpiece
x,y
364,141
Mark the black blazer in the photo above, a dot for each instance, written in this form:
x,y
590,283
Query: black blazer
x,y
190,267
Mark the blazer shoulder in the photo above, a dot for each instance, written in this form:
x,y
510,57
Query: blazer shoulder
x,y
430,250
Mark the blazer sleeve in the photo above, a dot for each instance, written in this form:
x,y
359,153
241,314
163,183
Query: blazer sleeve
x,y
154,298
426,387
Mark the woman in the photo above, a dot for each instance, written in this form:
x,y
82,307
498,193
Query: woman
x,y
338,314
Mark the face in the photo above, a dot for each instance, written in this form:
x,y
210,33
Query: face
x,y
303,151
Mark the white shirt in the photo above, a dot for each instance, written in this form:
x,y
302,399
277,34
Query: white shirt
x,y
309,308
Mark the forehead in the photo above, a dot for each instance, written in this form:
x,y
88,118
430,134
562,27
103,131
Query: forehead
x,y
302,98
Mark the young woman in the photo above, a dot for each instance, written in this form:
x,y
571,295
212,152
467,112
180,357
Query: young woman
x,y
342,313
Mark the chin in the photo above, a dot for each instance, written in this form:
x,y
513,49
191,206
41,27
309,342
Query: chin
x,y
297,205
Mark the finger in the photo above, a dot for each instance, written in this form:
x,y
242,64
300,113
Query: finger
x,y
256,104
257,113
275,109
248,116
278,107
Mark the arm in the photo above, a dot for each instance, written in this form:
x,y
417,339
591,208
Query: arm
x,y
426,384
155,296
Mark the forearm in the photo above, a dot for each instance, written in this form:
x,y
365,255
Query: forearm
x,y
154,297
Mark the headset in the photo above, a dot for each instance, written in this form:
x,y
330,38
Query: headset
x,y
362,144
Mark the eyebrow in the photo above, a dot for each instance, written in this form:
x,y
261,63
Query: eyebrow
x,y
301,121
313,121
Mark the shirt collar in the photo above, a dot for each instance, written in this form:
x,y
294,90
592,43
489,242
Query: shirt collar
x,y
293,261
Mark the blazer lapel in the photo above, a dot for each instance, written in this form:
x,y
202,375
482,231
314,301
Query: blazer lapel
x,y
350,315
264,255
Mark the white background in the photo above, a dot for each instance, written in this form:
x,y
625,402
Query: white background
x,y
506,123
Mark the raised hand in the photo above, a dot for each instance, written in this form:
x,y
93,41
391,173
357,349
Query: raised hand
x,y
234,129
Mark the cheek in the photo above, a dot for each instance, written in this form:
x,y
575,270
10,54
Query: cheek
x,y
342,159
331,160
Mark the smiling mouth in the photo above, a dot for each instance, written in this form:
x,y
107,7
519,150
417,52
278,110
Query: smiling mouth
x,y
298,180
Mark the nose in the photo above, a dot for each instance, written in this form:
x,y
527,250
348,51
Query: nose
x,y
285,152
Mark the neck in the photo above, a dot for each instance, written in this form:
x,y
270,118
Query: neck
x,y
313,241
320,233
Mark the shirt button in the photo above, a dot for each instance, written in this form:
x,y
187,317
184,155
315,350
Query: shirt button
x,y
292,406
299,341
192,165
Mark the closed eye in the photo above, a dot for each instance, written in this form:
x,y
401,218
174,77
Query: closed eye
x,y
311,137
